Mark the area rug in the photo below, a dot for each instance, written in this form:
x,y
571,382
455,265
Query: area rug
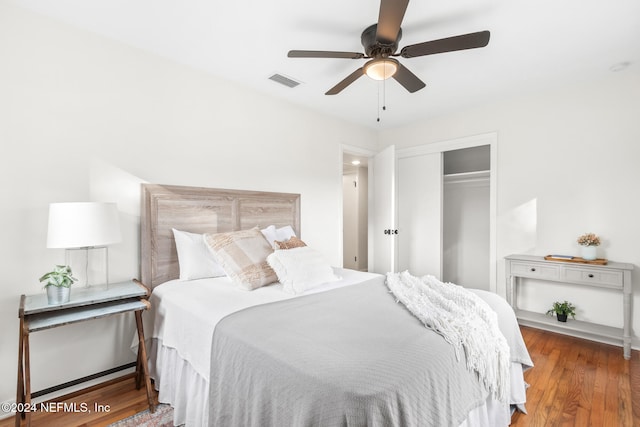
x,y
162,417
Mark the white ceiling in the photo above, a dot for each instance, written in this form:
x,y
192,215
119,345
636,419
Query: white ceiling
x,y
534,45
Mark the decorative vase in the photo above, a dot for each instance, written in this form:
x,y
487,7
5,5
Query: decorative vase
x,y
561,317
58,294
589,252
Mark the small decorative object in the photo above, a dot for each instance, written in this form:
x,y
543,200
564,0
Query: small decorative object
x,y
562,310
58,284
588,242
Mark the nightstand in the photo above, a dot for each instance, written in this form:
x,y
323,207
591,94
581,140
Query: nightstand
x,y
86,304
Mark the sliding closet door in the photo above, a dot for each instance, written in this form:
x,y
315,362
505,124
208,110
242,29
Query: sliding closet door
x,y
448,242
420,214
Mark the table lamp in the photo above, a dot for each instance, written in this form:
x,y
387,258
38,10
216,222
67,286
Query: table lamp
x,y
84,226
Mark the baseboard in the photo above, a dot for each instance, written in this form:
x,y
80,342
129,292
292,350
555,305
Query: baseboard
x,y
70,387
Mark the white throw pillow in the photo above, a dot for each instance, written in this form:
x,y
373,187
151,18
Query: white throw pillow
x,y
301,269
194,257
271,233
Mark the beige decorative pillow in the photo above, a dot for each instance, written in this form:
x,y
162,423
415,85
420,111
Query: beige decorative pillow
x,y
243,256
293,242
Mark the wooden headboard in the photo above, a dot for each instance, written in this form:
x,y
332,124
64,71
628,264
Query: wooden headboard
x,y
202,210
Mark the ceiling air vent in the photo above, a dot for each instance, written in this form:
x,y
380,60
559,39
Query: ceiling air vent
x,y
279,78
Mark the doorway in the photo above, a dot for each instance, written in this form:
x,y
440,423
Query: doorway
x,y
355,215
465,219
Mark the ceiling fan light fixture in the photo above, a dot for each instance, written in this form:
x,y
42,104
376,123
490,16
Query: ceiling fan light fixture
x,y
381,68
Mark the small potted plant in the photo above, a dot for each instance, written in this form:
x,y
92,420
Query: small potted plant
x,y
589,242
562,310
58,284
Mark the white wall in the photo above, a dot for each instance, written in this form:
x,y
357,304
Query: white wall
x,y
85,118
567,164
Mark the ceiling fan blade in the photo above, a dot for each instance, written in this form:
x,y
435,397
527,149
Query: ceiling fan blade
x,y
390,19
346,82
323,54
407,79
450,44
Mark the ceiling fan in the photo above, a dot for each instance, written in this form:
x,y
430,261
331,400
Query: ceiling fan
x,y
380,43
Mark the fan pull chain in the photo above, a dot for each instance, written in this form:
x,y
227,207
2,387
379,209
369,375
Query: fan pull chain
x,y
384,98
378,105
384,94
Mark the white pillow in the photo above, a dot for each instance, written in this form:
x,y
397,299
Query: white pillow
x,y
301,269
194,257
243,255
271,233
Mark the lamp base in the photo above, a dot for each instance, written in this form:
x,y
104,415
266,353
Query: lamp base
x,y
86,259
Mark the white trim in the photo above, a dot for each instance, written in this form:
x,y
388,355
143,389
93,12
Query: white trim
x,y
493,213
448,145
341,218
353,149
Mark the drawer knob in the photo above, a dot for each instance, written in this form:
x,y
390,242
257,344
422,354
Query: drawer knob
x,y
590,275
533,269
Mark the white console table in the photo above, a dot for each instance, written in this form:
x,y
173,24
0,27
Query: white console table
x,y
613,275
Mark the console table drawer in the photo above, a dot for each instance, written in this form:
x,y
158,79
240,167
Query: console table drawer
x,y
535,271
607,278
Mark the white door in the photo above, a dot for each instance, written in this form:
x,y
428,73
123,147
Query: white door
x,y
420,214
382,218
349,221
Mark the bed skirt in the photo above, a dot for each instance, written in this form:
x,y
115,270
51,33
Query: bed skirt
x,y
180,386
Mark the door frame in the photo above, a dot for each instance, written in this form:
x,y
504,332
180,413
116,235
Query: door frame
x,y
490,139
369,154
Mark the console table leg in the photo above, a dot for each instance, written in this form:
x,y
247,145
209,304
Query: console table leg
x,y
27,375
626,334
20,387
142,360
139,373
511,291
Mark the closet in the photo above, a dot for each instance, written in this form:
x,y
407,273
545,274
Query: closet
x,y
446,211
465,219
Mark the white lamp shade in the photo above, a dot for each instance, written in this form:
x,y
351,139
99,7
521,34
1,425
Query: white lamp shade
x,y
83,224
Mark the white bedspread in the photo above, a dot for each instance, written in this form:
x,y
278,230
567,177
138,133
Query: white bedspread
x,y
185,313
190,310
465,321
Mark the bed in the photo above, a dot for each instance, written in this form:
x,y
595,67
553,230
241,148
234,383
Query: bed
x,y
341,352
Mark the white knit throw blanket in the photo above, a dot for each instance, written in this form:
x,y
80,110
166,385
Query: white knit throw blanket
x,y
464,320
